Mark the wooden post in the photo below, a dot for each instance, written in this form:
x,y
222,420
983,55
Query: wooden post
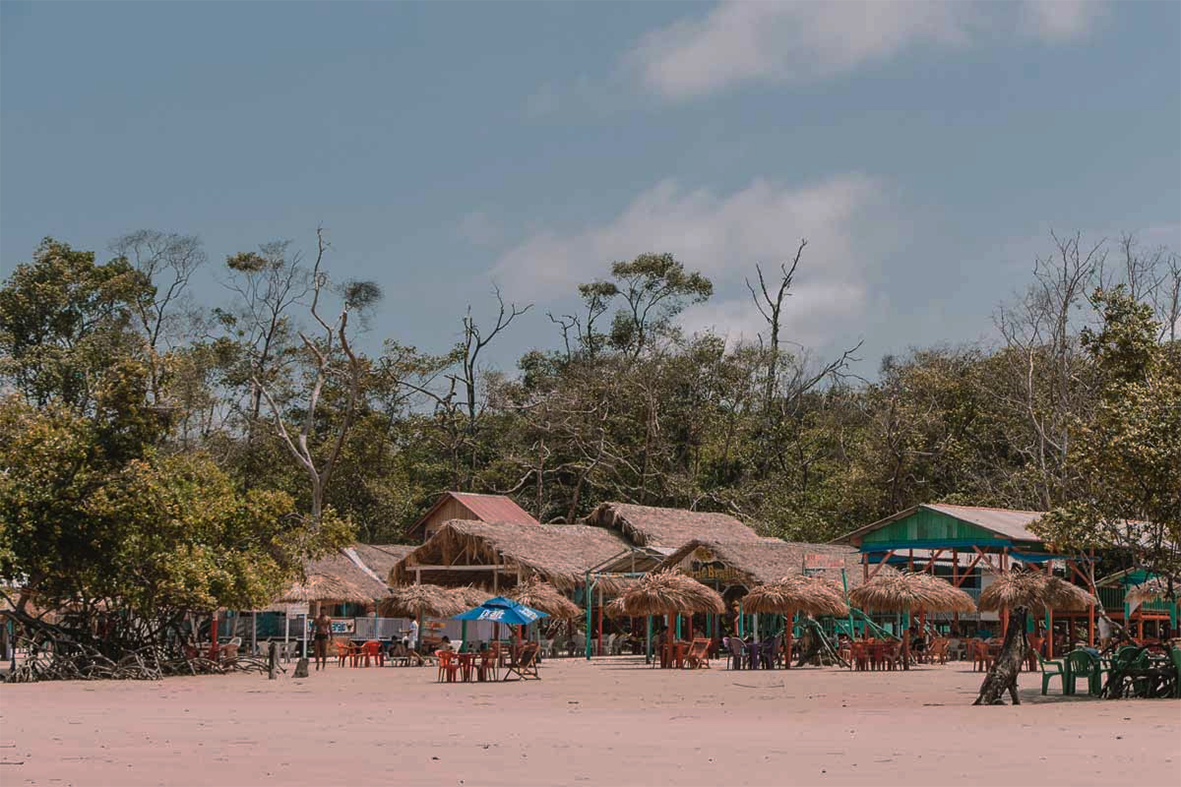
x,y
955,582
600,627
1049,633
787,640
213,637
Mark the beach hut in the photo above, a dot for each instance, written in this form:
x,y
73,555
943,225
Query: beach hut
x,y
468,506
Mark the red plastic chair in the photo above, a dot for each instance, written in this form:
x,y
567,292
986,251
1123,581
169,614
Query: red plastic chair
x,y
344,651
447,665
370,650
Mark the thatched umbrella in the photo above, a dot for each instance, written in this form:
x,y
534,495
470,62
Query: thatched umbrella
x,y
418,601
1034,591
1155,589
1019,592
545,597
796,594
333,579
670,593
792,594
906,592
470,596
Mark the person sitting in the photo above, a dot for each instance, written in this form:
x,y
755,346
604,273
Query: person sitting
x,y
445,645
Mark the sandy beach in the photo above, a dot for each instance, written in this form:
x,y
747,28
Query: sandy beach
x,y
610,721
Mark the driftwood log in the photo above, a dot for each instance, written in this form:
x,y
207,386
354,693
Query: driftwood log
x,y
1002,676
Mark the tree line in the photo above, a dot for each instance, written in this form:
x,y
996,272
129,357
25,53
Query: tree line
x,y
170,455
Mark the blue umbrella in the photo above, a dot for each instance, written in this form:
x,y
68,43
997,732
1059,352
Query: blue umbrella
x,y
503,610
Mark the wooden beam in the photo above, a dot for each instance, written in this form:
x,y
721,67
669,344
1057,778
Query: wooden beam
x,y
881,563
967,571
929,568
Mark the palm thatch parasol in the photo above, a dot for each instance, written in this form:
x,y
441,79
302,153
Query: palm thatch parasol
x,y
670,593
614,608
545,597
1034,591
470,596
1155,589
791,594
416,601
334,579
906,592
1022,592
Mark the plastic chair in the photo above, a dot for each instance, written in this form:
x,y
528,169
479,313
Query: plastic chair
x,y
344,651
371,649
448,667
737,652
1060,671
1082,664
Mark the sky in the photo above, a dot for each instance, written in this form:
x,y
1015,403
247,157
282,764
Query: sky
x,y
924,150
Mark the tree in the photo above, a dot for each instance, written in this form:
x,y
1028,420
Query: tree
x,y
331,357
63,320
1124,460
655,288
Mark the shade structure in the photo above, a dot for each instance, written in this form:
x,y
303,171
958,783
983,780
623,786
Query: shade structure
x,y
669,593
502,610
470,596
540,595
336,579
1035,591
416,601
615,608
796,594
1156,589
910,592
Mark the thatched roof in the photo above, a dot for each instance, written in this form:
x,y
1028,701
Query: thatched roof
x,y
380,558
668,593
429,601
910,593
809,595
668,527
540,595
1034,590
470,596
558,554
335,579
769,560
1155,589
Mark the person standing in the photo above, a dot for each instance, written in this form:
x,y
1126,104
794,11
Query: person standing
x,y
322,630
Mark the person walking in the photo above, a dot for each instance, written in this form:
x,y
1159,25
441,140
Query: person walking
x,y
321,632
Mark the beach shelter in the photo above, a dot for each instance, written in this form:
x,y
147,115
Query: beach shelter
x,y
907,592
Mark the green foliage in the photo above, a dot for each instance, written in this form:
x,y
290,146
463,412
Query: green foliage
x,y
64,321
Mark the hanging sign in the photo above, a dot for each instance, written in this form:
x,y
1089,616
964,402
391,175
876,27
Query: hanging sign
x,y
818,561
295,610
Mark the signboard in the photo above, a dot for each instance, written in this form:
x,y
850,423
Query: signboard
x,y
705,567
344,626
818,561
295,610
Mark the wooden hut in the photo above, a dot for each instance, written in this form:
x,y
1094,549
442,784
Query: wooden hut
x,y
468,506
648,526
499,555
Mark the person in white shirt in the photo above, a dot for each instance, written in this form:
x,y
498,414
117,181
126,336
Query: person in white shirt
x,y
413,645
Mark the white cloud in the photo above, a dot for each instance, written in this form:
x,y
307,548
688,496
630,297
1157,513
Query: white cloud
x,y
723,236
1060,20
542,102
738,42
809,313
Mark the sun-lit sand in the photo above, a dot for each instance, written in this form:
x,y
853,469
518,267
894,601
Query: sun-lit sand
x,y
610,721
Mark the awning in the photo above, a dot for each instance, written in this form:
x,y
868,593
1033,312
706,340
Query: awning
x,y
936,543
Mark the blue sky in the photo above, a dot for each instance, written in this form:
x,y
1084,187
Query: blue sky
x,y
925,150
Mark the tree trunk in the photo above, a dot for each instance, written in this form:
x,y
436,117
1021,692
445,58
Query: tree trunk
x,y
1003,675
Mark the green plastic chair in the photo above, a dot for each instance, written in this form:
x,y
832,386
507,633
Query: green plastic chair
x,y
1083,664
1061,670
1175,656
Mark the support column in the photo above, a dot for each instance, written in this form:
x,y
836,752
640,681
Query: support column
x,y
1049,633
600,647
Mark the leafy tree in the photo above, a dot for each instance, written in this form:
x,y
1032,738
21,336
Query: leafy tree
x,y
1125,458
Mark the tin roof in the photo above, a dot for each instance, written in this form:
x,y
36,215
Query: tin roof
x,y
1004,522
485,508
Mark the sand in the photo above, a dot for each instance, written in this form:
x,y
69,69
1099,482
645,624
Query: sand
x,y
609,721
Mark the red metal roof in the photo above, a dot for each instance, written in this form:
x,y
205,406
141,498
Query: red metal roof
x,y
485,508
494,508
